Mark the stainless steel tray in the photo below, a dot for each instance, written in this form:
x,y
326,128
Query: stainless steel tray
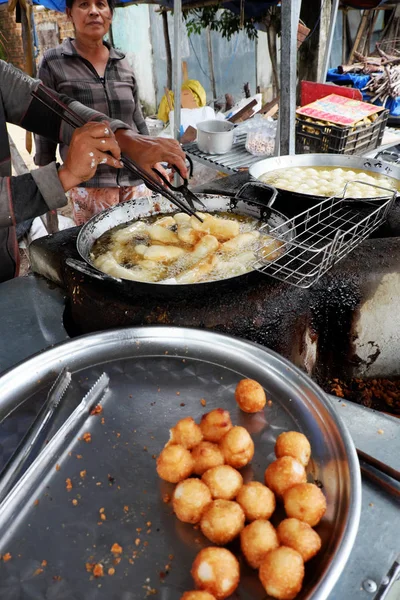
x,y
157,375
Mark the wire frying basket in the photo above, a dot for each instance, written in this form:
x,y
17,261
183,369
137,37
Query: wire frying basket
x,y
305,247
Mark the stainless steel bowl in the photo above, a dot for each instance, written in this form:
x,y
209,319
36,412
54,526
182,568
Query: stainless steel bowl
x,y
157,376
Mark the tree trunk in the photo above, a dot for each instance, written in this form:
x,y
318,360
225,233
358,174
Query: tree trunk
x,y
167,48
273,55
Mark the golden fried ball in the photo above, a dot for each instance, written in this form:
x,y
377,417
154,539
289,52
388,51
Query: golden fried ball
x,y
256,540
299,536
186,433
222,521
305,502
224,482
257,501
175,463
284,473
215,424
206,456
282,572
197,595
189,500
237,447
216,571
250,396
295,444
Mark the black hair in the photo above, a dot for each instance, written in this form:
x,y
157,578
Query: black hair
x,y
111,4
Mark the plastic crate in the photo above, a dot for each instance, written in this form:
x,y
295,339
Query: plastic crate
x,y
317,138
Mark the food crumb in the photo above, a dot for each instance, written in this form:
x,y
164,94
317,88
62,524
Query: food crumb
x,y
126,508
44,563
137,541
380,431
68,483
75,502
116,549
148,523
96,410
6,557
57,577
182,404
178,393
58,467
38,571
159,390
269,402
117,560
154,456
82,474
166,498
111,571
371,504
79,456
87,437
36,503
103,517
102,420
98,570
203,402
171,556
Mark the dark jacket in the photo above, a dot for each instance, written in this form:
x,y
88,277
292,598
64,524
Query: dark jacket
x,y
116,95
39,191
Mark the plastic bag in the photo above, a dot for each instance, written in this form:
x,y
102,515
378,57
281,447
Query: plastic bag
x,y
261,133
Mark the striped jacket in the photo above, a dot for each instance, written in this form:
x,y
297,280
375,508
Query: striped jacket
x,y
115,95
39,191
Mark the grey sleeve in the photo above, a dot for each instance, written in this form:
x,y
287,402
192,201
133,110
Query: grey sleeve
x,y
28,196
45,149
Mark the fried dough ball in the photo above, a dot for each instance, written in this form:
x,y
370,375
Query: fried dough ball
x,y
305,502
256,540
222,521
216,571
189,500
215,424
295,444
186,433
197,595
282,572
284,473
224,482
257,501
237,447
175,463
250,396
299,536
206,456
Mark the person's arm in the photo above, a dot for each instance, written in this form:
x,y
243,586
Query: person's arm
x,y
45,149
21,109
138,118
41,190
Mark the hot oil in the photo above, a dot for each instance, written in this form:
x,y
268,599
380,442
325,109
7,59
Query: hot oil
x,y
126,256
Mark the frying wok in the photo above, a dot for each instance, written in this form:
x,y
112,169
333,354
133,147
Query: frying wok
x,y
292,203
147,207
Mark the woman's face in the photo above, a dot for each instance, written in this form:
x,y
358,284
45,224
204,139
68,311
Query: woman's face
x,y
91,18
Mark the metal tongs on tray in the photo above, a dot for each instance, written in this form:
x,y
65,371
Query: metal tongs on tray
x,y
51,101
35,446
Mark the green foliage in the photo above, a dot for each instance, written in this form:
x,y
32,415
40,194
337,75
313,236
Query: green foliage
x,y
223,21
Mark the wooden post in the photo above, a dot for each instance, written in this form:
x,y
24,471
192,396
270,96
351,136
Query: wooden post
x,y
211,63
287,111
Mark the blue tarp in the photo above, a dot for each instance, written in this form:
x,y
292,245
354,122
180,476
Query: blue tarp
x,y
359,81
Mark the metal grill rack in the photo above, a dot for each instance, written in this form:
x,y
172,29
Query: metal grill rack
x,y
231,162
309,244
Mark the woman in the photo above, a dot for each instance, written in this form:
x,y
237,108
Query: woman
x,y
89,70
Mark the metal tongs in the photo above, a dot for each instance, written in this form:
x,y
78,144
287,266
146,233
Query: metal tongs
x,y
183,189
52,102
35,447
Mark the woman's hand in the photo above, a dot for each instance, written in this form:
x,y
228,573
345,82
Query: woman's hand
x,y
88,148
148,151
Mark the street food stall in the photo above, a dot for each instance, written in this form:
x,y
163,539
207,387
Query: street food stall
x,y
116,362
